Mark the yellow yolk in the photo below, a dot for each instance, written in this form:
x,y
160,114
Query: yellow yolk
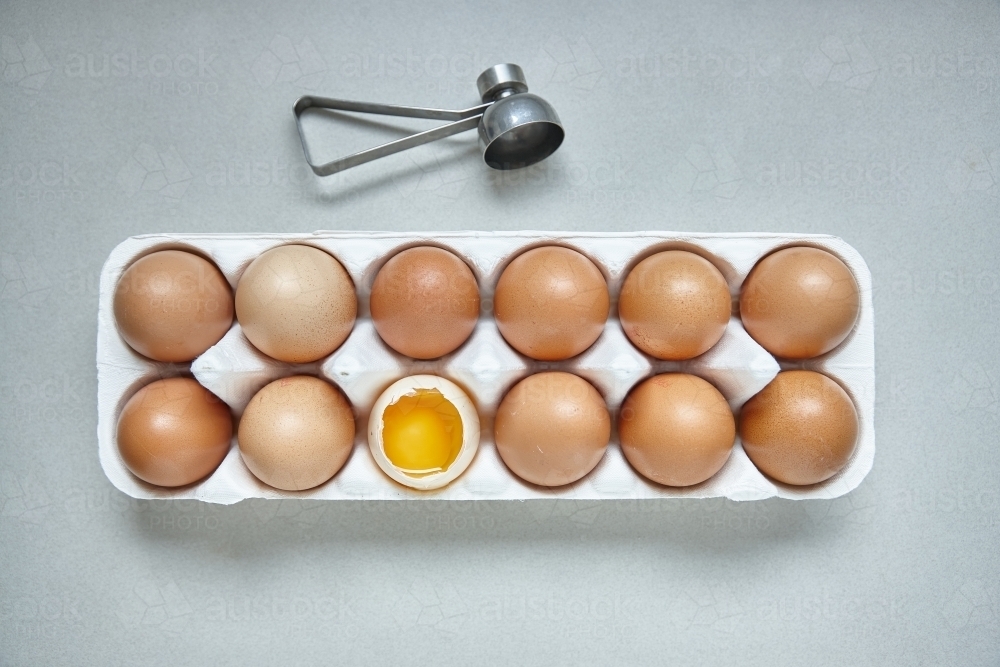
x,y
422,432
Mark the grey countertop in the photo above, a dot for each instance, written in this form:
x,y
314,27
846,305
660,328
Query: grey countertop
x,y
877,122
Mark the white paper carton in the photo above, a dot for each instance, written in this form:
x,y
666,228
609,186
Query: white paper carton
x,y
485,365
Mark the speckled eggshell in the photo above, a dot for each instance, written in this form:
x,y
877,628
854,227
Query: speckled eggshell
x,y
174,432
172,305
425,302
552,428
800,429
551,303
676,429
296,433
296,303
799,302
674,305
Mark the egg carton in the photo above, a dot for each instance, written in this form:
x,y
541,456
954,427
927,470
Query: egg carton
x,y
485,366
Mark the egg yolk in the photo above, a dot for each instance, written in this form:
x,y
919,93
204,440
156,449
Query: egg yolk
x,y
421,432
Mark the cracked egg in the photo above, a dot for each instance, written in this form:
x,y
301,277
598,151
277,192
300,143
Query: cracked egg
x,y
423,431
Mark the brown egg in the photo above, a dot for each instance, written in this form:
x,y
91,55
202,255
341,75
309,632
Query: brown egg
x,y
676,429
800,429
425,302
552,428
296,303
674,305
551,303
799,302
174,432
172,305
296,433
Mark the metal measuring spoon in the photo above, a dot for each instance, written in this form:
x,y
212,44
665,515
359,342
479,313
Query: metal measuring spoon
x,y
516,128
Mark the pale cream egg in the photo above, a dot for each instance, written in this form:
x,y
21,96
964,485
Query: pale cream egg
x,y
423,431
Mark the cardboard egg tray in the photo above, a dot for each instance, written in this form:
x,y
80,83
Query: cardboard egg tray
x,y
485,366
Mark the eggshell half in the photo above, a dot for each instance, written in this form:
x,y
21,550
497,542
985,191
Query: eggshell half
x,y
470,430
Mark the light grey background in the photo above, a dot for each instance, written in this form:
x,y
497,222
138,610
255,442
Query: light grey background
x,y
877,122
